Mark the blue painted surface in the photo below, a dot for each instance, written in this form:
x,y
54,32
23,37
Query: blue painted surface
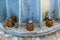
x,y
59,6
2,10
13,7
56,9
34,8
51,7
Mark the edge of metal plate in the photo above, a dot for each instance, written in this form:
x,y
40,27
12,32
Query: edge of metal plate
x,y
29,34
